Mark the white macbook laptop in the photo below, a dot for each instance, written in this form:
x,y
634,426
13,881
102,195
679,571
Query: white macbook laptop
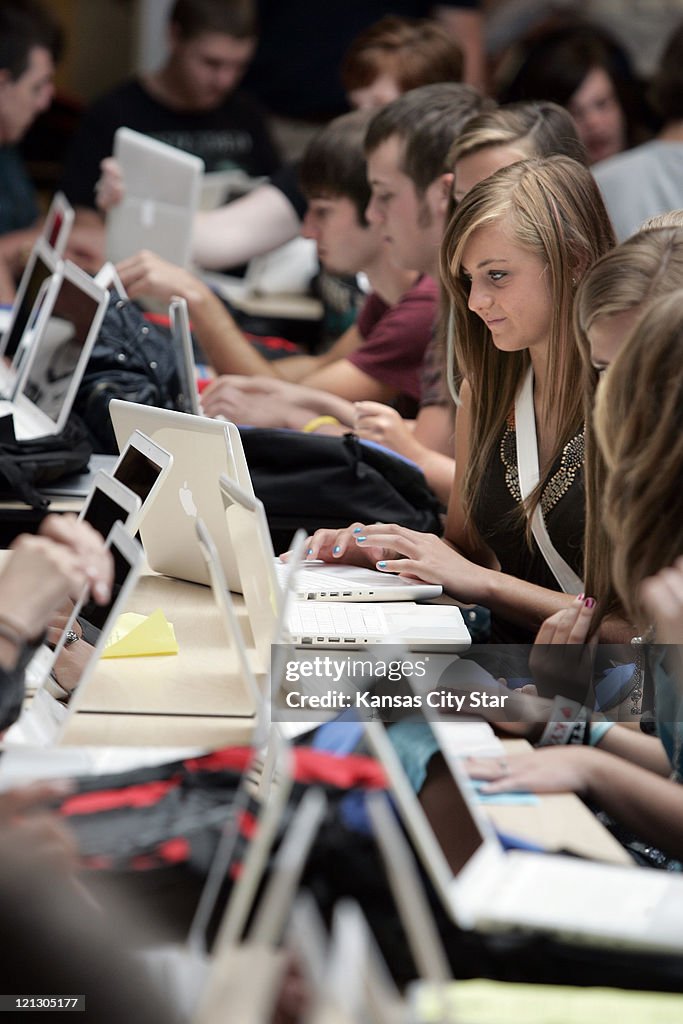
x,y
41,263
320,581
162,194
66,329
202,449
309,623
483,886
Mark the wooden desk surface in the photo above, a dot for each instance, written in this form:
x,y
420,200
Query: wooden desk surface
x,y
559,821
196,696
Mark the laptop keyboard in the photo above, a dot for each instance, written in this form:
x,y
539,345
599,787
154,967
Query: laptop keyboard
x,y
336,623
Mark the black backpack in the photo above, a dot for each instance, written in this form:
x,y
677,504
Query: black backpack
x,y
133,360
26,465
312,481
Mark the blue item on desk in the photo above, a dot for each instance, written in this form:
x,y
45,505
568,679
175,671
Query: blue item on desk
x,y
512,842
516,798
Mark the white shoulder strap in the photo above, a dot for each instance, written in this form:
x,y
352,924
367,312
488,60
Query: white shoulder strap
x,y
527,469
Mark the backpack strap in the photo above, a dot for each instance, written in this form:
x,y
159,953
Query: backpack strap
x,y
528,471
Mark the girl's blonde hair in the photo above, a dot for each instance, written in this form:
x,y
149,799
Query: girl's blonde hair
x,y
639,427
643,268
552,207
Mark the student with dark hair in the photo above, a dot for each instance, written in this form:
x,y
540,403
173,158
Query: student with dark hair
x,y
648,180
30,46
583,69
192,101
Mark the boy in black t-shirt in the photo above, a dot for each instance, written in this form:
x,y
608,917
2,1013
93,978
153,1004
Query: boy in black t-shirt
x,y
191,102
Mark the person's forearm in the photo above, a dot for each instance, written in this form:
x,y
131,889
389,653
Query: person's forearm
x,y
226,348
518,601
248,227
638,748
322,403
645,803
438,471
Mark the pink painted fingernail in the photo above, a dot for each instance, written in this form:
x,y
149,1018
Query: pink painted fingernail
x,y
590,602
580,597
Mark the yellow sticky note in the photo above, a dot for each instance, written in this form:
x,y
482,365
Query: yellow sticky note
x,y
136,636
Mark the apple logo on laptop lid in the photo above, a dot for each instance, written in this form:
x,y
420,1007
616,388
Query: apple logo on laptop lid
x,y
187,501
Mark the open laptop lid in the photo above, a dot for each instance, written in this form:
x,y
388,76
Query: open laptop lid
x,y
58,223
142,467
42,264
250,539
253,694
108,277
181,339
66,333
162,193
45,720
108,502
450,831
201,450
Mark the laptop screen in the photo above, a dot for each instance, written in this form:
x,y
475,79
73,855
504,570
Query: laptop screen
x,y
59,348
443,804
138,472
103,511
96,615
40,272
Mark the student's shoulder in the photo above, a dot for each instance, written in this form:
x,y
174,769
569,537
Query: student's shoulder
x,y
423,293
620,168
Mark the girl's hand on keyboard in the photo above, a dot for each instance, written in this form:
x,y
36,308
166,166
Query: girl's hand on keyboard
x,y
348,546
550,770
424,556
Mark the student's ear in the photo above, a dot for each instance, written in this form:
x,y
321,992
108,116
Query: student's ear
x,y
444,188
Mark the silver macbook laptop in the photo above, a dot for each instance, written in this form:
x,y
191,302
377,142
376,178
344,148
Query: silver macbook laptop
x,y
486,887
66,329
162,194
41,264
202,450
312,624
